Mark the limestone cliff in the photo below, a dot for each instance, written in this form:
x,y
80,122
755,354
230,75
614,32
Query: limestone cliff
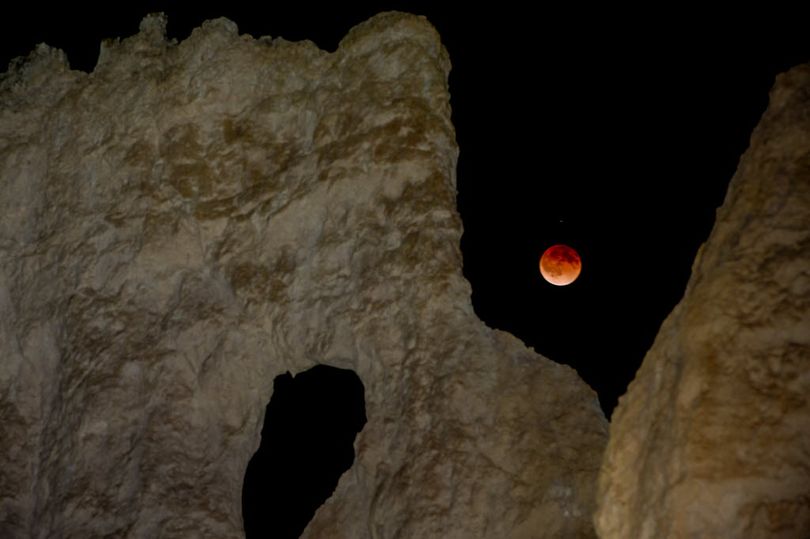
x,y
712,438
192,219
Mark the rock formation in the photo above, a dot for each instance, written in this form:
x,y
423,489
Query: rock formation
x,y
712,438
189,221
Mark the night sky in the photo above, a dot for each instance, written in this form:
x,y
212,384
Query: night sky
x,y
616,136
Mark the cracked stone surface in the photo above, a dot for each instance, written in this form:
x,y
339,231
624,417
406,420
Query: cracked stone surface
x,y
712,438
192,219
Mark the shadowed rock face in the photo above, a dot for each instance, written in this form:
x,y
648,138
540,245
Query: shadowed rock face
x,y
191,220
712,438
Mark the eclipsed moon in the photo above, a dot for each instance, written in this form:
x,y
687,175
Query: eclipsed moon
x,y
560,265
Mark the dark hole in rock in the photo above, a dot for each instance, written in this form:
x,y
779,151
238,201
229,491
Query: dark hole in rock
x,y
307,443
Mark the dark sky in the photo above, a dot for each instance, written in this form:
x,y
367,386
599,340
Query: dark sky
x,y
614,132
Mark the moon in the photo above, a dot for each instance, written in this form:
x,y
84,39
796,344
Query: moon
x,y
560,265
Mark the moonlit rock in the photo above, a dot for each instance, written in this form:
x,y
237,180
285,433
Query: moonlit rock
x,y
712,438
193,219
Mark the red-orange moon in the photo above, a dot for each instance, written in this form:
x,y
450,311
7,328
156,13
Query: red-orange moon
x,y
560,265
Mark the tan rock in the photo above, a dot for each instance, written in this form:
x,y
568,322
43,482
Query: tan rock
x,y
191,220
712,438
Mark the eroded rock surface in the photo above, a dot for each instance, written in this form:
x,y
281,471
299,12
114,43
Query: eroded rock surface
x,y
712,438
190,220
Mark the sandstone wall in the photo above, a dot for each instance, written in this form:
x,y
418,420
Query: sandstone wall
x,y
190,220
712,438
